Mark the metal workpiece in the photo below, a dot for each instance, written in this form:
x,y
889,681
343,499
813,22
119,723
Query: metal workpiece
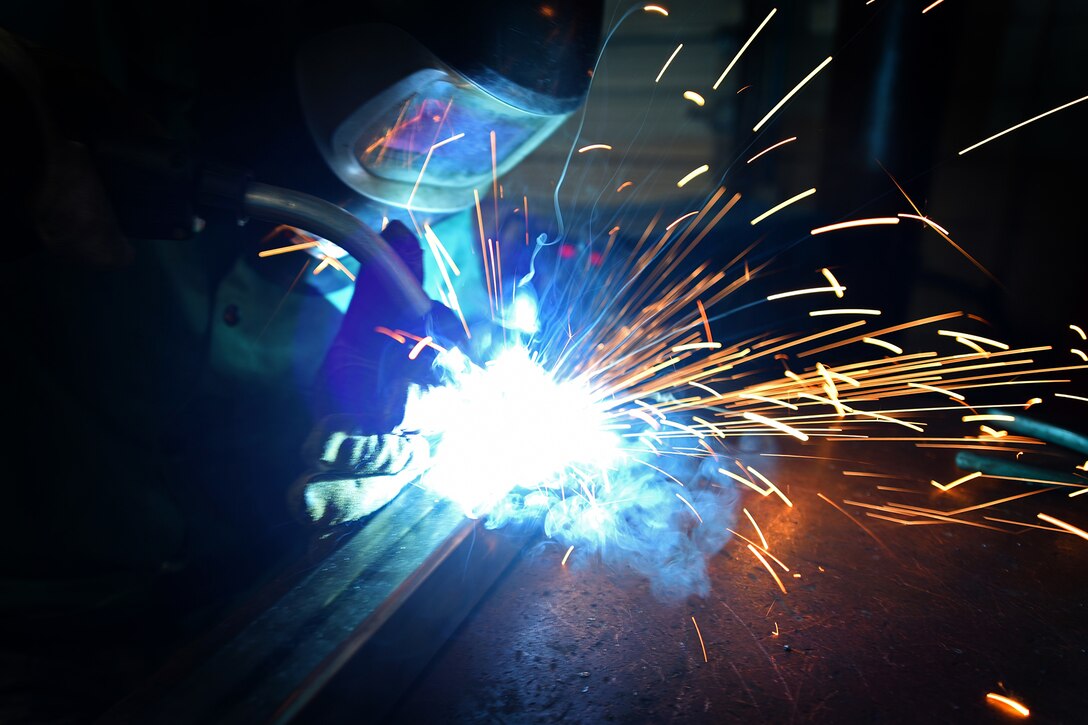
x,y
355,631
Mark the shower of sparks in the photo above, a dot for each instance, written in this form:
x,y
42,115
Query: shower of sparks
x,y
783,205
621,408
1008,704
790,95
668,63
743,48
692,174
1023,123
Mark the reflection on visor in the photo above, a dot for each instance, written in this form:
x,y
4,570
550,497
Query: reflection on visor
x,y
395,146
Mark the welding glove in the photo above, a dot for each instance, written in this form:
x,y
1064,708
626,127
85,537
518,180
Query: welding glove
x,y
362,455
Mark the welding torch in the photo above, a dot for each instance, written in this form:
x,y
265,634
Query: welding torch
x,y
159,190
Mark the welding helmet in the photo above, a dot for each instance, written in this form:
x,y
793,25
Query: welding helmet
x,y
418,107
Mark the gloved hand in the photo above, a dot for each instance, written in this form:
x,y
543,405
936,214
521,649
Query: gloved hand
x,y
362,458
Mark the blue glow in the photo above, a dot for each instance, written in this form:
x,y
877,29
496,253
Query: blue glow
x,y
511,443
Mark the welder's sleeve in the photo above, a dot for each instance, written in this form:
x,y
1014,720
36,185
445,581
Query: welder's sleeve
x,y
363,455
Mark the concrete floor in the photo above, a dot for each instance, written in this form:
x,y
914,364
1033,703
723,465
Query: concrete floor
x,y
894,624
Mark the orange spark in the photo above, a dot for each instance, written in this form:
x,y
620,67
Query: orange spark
x,y
284,250
681,218
935,389
1009,704
767,565
844,311
694,98
1067,526
772,148
668,63
932,5
1079,331
566,556
655,9
706,322
789,95
593,146
701,643
756,527
743,48
624,185
1023,123
419,347
775,424
957,482
692,174
881,343
873,221
973,338
688,504
783,205
810,290
925,220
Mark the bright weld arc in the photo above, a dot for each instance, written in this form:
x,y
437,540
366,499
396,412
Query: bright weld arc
x,y
789,95
783,205
743,48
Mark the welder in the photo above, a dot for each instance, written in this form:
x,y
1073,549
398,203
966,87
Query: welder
x,y
189,417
